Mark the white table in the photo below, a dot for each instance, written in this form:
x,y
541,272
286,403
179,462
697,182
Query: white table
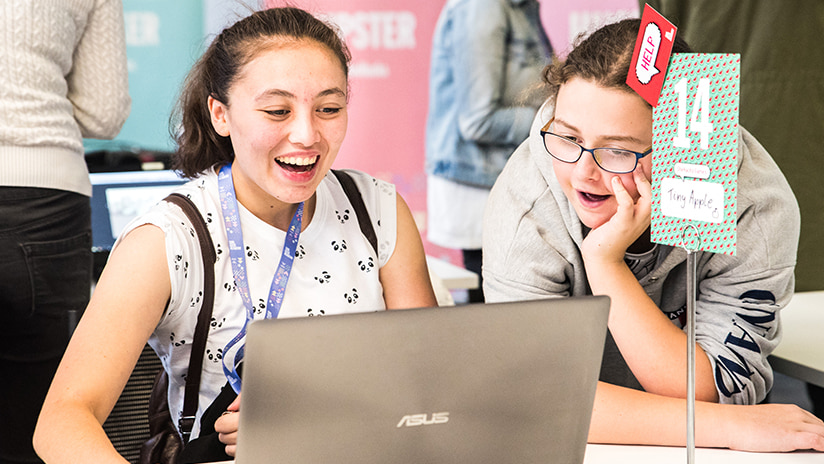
x,y
801,351
626,454
454,277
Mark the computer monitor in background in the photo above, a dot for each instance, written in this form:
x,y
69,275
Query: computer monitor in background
x,y
118,197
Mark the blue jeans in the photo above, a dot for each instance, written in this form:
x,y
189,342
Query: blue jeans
x,y
45,282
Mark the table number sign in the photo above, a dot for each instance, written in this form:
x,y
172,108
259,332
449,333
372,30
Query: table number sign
x,y
694,161
695,153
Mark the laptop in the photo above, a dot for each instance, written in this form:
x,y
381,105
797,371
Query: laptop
x,y
119,197
480,383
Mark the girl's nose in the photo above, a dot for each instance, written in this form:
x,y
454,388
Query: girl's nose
x,y
304,130
586,167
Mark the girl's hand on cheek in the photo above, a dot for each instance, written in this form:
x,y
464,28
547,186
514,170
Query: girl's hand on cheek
x,y
610,241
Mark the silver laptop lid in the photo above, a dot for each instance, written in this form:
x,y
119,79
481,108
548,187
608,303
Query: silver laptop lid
x,y
485,383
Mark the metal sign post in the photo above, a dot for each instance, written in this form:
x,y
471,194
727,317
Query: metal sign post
x,y
692,265
691,281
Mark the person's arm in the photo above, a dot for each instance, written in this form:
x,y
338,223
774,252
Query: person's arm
x,y
98,84
479,49
737,303
405,278
127,304
625,416
653,347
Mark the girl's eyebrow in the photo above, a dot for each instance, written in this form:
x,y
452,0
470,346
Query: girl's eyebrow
x,y
286,94
333,91
565,124
274,93
609,138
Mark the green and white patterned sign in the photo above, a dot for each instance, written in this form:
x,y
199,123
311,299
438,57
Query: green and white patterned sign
x,y
695,153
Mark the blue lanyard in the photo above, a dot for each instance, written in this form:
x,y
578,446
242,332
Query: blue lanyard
x,y
237,256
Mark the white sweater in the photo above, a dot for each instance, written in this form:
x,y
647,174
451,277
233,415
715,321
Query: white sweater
x,y
63,76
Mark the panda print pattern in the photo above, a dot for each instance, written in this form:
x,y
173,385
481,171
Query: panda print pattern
x,y
335,270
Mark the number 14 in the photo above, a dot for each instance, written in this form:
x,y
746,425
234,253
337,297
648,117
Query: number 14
x,y
699,121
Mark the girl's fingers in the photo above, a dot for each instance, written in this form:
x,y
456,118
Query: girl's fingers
x,y
642,183
645,192
235,406
621,195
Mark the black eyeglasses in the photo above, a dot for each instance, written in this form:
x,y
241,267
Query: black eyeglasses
x,y
614,160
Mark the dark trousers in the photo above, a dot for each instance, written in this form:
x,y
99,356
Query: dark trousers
x,y
45,279
472,261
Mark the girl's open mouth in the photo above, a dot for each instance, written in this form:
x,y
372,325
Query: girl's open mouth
x,y
592,198
297,164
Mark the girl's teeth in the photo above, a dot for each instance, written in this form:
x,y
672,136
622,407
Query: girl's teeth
x,y
593,197
298,161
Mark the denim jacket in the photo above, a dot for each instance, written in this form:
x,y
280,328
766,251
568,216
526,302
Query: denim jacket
x,y
487,57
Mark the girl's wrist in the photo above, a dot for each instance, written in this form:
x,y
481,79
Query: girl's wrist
x,y
597,257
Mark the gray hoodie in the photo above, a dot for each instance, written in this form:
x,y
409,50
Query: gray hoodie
x,y
531,249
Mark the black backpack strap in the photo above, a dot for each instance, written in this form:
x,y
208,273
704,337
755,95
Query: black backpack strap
x,y
353,193
207,249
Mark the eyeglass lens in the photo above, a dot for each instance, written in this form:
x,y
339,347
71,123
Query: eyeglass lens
x,y
566,150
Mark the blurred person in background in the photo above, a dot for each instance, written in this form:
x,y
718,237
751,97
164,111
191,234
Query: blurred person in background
x,y
63,76
487,57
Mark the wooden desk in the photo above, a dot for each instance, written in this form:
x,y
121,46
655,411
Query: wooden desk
x,y
801,351
626,454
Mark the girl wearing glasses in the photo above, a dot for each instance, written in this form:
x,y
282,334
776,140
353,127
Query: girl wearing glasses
x,y
570,215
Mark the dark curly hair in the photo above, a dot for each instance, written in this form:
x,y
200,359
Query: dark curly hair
x,y
199,147
603,57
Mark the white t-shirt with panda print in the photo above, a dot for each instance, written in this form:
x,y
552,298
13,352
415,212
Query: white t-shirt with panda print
x,y
335,271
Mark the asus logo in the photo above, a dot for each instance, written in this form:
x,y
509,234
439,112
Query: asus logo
x,y
414,420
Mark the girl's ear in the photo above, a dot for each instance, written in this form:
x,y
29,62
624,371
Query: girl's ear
x,y
218,112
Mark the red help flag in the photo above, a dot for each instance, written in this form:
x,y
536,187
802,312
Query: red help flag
x,y
653,48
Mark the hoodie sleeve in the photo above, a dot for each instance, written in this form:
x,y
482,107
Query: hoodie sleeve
x,y
740,297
